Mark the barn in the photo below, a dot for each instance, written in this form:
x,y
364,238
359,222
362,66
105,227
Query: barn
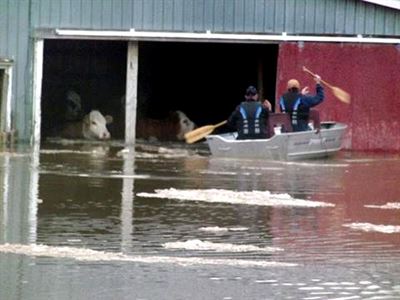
x,y
148,57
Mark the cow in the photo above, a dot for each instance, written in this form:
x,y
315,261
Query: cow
x,y
92,127
172,128
73,107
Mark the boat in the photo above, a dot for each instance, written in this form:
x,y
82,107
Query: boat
x,y
324,140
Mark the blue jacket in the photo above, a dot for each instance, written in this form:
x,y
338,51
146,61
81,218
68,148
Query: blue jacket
x,y
298,106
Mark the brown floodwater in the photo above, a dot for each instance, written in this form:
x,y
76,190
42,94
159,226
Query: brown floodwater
x,y
82,220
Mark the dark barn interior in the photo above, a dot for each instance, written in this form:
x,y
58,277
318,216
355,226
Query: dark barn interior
x,y
204,80
95,70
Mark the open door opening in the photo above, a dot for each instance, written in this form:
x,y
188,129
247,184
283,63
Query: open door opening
x,y
80,76
204,80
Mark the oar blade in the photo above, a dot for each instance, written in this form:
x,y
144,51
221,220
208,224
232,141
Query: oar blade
x,y
202,132
338,92
194,138
341,95
198,131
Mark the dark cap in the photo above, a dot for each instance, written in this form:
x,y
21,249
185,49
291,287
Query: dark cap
x,y
251,91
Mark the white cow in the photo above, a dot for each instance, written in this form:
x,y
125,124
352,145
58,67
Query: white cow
x,y
92,127
172,128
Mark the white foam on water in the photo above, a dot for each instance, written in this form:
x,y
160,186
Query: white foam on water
x,y
64,151
263,168
196,244
261,198
217,278
389,205
311,288
346,298
217,172
368,227
118,176
174,151
89,255
163,152
371,160
74,240
312,165
14,154
146,155
266,281
222,229
132,176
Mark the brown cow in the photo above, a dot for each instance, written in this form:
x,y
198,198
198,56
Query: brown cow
x,y
173,128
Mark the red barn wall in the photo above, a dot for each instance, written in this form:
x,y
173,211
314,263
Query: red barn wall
x,y
369,72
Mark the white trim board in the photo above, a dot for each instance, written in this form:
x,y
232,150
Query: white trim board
x,y
37,89
7,68
215,37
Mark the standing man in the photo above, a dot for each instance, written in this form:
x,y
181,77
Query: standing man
x,y
250,117
297,104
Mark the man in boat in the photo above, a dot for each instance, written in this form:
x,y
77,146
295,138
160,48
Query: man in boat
x,y
250,117
297,104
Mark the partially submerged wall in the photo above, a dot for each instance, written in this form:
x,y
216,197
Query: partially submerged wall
x,y
370,73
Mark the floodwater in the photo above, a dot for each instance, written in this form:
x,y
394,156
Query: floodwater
x,y
100,221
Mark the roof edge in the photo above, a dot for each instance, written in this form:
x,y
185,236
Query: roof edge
x,y
387,3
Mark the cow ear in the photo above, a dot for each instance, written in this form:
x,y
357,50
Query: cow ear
x,y
109,119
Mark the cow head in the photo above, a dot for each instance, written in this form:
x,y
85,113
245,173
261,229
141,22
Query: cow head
x,y
184,125
94,126
73,110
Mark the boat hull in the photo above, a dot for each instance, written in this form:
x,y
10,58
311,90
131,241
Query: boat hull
x,y
286,146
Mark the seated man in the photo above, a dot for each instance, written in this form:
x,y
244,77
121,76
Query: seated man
x,y
250,117
297,104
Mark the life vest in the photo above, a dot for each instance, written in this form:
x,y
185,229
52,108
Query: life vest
x,y
252,123
291,103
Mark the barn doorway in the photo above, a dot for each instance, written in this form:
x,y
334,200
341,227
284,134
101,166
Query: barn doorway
x,y
89,70
205,80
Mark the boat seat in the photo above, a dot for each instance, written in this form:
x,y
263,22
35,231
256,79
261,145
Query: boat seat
x,y
314,118
279,120
283,120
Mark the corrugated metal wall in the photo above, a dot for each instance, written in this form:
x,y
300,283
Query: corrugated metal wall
x,y
19,18
14,44
251,16
369,72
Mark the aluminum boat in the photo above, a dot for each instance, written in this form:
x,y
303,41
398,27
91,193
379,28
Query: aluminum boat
x,y
317,143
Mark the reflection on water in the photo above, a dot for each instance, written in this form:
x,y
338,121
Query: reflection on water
x,y
98,220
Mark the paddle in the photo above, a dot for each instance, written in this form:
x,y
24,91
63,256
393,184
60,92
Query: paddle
x,y
338,92
199,133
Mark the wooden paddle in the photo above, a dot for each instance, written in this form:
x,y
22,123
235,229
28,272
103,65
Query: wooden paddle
x,y
338,92
199,133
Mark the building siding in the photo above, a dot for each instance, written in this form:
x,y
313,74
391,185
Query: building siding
x,y
228,16
14,44
372,115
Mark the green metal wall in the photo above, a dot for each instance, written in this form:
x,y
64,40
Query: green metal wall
x,y
19,19
251,16
14,44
